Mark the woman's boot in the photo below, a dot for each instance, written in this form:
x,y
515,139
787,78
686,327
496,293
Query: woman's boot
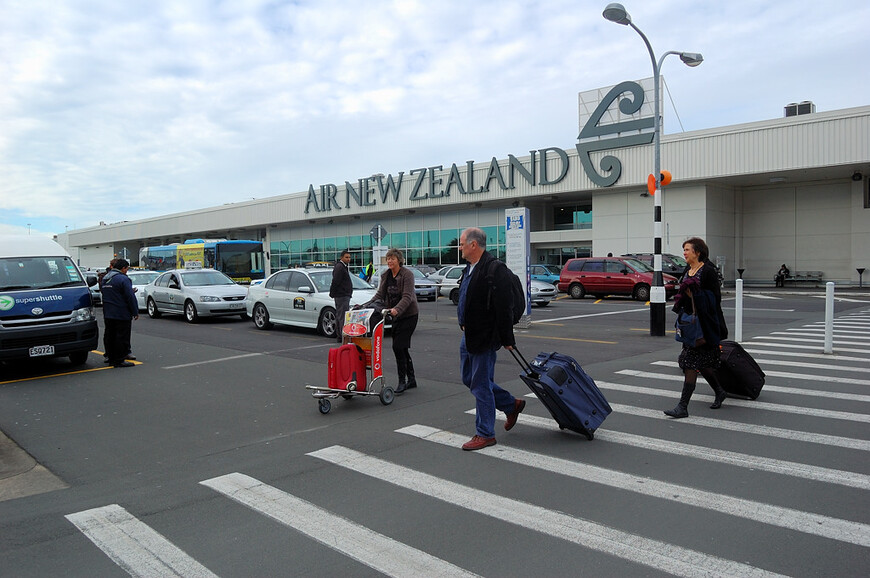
x,y
412,381
682,408
402,369
719,392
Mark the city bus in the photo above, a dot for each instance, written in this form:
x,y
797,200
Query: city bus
x,y
242,261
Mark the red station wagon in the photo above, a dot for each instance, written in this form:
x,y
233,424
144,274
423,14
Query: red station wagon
x,y
600,276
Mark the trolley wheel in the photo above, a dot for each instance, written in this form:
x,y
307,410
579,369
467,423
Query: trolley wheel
x,y
324,406
387,395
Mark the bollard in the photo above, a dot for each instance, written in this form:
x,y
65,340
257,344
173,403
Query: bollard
x,y
738,312
829,317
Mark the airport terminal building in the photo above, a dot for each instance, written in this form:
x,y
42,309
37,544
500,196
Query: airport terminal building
x,y
793,190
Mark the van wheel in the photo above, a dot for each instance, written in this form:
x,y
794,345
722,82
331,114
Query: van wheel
x,y
261,317
153,312
78,358
454,296
641,292
326,325
577,291
190,312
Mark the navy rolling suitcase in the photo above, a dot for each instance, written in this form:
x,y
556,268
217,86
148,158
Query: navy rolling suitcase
x,y
738,373
570,395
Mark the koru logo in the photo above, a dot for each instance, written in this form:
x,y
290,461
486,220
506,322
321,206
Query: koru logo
x,y
611,166
6,302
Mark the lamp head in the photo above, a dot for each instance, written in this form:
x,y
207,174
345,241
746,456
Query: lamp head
x,y
692,59
616,12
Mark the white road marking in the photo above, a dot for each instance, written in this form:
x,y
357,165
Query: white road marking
x,y
793,469
133,546
803,355
818,347
364,545
791,519
590,315
646,551
775,335
817,333
766,362
804,376
760,405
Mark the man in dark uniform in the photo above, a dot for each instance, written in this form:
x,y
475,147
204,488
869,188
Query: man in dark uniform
x,y
119,311
341,290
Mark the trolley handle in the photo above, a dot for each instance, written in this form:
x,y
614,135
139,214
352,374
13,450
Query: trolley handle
x,y
525,365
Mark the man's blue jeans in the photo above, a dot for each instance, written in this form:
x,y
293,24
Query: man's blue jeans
x,y
478,370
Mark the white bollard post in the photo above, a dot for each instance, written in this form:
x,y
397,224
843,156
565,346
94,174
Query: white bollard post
x,y
738,312
829,317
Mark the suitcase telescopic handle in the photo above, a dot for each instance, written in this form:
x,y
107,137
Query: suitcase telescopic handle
x,y
526,367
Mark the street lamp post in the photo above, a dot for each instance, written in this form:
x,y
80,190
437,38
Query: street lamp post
x,y
617,13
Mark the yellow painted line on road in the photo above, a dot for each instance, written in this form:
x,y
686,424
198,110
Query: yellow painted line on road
x,y
64,373
571,339
597,301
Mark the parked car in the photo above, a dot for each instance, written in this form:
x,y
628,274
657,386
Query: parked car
x,y
449,282
194,293
300,297
671,264
423,287
425,269
92,279
438,275
540,292
139,280
547,273
600,276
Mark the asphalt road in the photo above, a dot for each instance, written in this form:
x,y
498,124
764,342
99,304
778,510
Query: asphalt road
x,y
210,458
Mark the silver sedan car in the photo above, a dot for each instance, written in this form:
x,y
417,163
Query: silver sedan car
x,y
424,288
194,293
139,280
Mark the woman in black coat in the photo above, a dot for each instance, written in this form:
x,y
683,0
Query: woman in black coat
x,y
699,289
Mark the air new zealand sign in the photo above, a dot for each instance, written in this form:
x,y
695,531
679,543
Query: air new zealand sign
x,y
433,183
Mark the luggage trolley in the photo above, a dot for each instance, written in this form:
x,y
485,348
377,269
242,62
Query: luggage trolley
x,y
369,340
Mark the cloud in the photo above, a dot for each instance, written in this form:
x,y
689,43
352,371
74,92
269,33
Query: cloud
x,y
118,111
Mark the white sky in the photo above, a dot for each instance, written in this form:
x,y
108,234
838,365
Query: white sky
x,y
120,110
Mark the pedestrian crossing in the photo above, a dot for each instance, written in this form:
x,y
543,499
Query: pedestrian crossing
x,y
823,538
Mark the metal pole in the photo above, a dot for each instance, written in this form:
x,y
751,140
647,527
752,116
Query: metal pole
x,y
738,312
829,317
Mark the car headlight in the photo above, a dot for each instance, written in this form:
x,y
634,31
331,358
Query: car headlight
x,y
534,290
209,298
84,314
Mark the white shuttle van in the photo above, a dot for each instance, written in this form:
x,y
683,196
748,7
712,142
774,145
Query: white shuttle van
x,y
45,303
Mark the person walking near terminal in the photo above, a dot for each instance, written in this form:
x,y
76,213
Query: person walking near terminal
x,y
699,294
341,290
368,272
485,319
119,311
396,290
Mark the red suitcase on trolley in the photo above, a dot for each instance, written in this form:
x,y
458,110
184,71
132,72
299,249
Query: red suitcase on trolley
x,y
347,364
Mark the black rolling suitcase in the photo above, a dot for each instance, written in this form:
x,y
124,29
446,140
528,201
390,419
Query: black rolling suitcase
x,y
570,395
739,374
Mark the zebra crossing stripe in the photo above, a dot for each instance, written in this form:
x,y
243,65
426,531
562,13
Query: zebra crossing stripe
x,y
804,376
813,365
816,332
656,554
775,335
133,546
762,430
762,405
818,347
804,355
838,330
364,545
792,469
796,520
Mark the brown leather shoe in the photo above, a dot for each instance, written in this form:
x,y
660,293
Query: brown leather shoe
x,y
478,443
511,421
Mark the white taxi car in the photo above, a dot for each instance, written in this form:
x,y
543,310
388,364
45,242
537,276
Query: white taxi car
x,y
300,297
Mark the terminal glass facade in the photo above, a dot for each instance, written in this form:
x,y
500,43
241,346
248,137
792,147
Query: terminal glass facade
x,y
433,247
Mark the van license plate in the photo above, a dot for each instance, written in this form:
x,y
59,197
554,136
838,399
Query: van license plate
x,y
41,350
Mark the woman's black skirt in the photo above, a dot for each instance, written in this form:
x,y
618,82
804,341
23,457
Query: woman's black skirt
x,y
402,330
698,358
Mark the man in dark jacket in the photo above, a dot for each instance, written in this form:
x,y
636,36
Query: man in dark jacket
x,y
119,311
341,290
485,318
